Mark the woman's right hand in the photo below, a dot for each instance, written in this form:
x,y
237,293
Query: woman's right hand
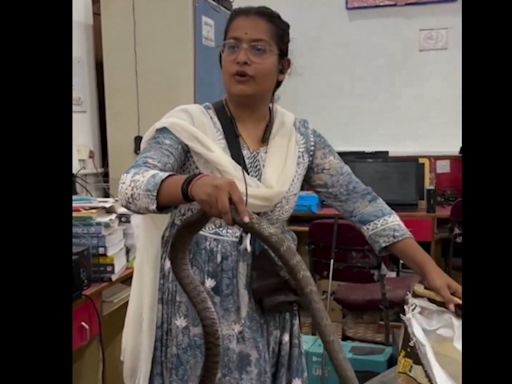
x,y
214,195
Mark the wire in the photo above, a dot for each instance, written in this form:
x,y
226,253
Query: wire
x,y
102,348
74,191
81,169
331,268
84,187
94,163
81,178
268,128
106,189
245,184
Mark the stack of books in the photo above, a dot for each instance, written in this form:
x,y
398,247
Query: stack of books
x,y
96,226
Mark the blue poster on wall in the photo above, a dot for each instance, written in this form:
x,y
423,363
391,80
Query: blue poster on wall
x,y
209,22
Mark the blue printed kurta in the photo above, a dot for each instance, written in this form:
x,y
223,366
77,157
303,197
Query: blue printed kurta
x,y
257,347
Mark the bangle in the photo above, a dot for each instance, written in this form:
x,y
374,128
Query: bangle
x,y
186,185
192,184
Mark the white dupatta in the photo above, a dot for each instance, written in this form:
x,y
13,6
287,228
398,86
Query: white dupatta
x,y
192,125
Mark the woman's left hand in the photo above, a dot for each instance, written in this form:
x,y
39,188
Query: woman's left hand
x,y
438,281
424,265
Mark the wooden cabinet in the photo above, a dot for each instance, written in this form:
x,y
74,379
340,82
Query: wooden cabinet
x,y
421,228
154,59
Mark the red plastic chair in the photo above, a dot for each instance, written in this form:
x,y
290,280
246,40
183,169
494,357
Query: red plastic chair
x,y
363,285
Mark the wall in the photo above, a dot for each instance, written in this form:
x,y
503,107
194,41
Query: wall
x,y
86,124
359,77
148,67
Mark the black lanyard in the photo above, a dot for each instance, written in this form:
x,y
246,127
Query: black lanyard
x,y
230,133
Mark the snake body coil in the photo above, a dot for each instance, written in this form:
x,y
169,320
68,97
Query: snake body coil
x,y
296,269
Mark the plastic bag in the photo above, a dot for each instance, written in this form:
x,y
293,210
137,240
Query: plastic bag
x,y
431,351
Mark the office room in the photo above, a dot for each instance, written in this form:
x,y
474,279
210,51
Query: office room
x,y
267,191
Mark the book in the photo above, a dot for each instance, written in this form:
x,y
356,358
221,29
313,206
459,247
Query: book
x,y
99,240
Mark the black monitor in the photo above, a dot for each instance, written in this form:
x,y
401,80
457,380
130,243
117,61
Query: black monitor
x,y
399,182
356,155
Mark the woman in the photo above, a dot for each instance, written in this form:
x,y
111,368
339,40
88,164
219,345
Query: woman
x,y
185,165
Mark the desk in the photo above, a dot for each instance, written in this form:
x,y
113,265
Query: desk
x,y
85,321
422,225
96,288
326,213
85,332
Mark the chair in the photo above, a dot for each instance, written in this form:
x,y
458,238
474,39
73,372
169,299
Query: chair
x,y
455,263
354,259
360,273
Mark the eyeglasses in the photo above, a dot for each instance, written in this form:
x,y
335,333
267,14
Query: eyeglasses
x,y
257,51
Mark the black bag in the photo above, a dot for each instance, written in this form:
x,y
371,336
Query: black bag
x,y
270,285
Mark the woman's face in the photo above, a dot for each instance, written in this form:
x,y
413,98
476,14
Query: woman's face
x,y
250,59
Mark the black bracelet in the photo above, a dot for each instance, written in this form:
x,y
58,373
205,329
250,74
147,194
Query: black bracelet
x,y
186,185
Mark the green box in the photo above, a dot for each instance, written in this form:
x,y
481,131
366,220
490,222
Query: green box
x,y
364,357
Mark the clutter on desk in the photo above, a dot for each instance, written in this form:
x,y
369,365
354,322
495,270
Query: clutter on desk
x,y
108,240
307,202
367,359
431,351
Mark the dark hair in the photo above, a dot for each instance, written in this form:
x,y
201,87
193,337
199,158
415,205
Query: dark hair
x,y
280,28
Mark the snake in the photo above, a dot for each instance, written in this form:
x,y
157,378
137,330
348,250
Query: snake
x,y
294,265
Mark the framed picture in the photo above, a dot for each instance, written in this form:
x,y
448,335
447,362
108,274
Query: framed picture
x,y
355,4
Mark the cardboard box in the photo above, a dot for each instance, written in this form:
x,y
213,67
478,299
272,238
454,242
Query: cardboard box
x,y
364,357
